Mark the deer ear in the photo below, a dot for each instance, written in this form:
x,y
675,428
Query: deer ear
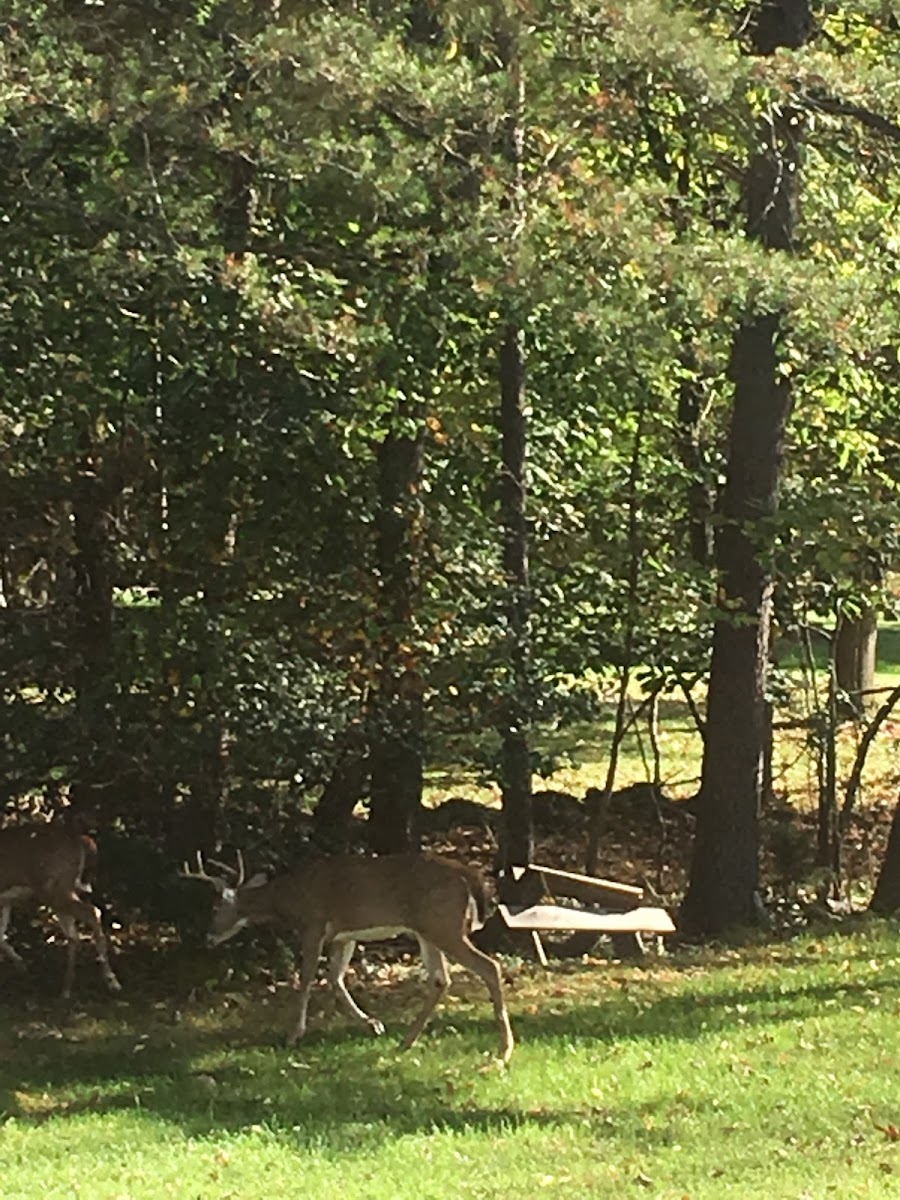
x,y
257,880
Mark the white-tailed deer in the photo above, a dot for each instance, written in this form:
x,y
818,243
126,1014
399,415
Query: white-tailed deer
x,y
337,902
45,865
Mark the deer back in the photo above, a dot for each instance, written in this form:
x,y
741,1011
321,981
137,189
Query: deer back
x,y
44,861
351,894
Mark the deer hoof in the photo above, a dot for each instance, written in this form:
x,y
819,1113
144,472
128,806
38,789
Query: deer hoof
x,y
376,1027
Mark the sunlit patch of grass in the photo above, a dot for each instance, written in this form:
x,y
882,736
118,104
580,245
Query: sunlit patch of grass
x,y
761,1071
578,753
581,750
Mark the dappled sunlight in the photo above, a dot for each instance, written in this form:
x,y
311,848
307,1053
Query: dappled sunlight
x,y
621,1072
217,1059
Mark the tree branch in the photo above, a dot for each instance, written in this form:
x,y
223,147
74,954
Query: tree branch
x,y
868,737
834,106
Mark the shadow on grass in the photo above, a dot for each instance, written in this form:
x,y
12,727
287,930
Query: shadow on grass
x,y
341,1091
342,1103
226,1069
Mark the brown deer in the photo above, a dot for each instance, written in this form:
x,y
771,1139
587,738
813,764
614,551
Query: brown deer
x,y
46,865
339,901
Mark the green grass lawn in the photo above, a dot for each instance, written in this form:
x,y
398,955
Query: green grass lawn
x,y
769,1072
889,646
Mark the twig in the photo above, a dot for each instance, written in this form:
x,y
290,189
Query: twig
x,y
157,194
692,705
860,761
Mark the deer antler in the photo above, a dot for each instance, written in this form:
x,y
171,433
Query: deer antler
x,y
237,871
201,873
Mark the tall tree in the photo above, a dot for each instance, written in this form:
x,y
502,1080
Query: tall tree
x,y
93,571
396,754
724,880
515,705
396,751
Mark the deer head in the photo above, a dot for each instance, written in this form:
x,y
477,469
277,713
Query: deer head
x,y
229,913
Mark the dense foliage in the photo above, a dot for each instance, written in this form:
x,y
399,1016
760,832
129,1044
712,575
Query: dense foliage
x,y
256,264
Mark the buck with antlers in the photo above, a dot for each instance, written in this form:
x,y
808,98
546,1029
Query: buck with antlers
x,y
46,865
337,902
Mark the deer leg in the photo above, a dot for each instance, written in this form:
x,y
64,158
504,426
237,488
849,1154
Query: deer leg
x,y
438,981
80,910
482,965
5,948
338,960
310,952
67,925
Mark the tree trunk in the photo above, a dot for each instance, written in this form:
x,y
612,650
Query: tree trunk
x,y
886,897
515,782
395,756
854,782
212,779
828,833
690,450
396,735
597,816
93,576
724,876
423,24
396,781
855,650
346,787
517,833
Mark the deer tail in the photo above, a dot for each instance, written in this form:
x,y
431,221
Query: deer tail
x,y
481,900
87,872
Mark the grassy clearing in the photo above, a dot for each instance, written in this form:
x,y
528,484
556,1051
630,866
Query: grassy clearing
x,y
582,750
766,1073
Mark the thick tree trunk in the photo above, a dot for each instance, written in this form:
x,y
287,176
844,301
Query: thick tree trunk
x,y
423,24
724,877
395,791
396,736
886,897
724,870
855,652
395,739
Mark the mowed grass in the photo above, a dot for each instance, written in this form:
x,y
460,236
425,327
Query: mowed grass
x,y
767,1072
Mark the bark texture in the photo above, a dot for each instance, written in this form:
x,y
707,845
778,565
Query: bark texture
x,y
517,840
395,755
886,897
723,891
